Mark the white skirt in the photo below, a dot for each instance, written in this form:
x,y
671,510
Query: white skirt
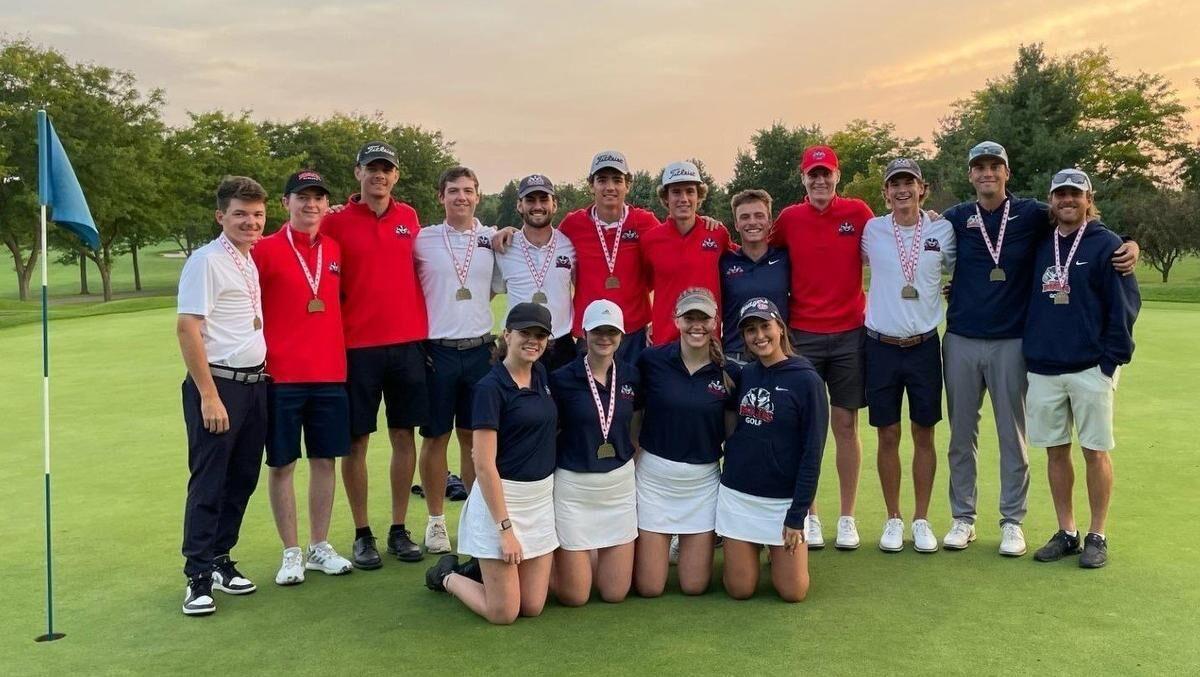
x,y
754,519
595,510
674,497
531,510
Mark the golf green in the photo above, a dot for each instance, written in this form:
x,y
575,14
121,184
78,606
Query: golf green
x,y
119,480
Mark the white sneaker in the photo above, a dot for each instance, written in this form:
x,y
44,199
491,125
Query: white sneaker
x,y
673,554
923,538
892,539
960,535
847,538
322,557
437,540
812,532
1012,540
291,571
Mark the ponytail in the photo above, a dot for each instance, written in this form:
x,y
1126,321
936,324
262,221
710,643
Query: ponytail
x,y
500,351
717,355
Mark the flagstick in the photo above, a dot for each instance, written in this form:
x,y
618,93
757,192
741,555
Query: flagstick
x,y
50,635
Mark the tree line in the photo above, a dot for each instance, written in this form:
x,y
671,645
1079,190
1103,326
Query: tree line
x,y
148,182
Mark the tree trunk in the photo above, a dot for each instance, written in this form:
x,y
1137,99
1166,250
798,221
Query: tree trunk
x,y
23,267
103,261
137,273
83,281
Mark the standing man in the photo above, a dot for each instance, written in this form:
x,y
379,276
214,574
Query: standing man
x,y
757,270
1078,333
907,252
455,264
539,267
225,392
300,272
823,236
383,313
985,320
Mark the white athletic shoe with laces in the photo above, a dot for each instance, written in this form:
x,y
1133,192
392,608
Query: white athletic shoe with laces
x,y
1012,540
812,532
923,538
322,557
437,540
960,535
291,571
847,535
892,539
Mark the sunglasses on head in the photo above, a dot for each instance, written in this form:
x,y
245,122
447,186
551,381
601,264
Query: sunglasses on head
x,y
1074,178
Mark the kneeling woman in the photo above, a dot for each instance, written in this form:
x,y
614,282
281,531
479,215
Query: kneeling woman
x,y
772,459
685,387
508,520
594,502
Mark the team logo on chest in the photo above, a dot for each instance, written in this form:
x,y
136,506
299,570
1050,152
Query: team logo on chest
x,y
335,268
715,387
734,271
627,392
484,241
629,235
756,407
974,221
846,228
563,262
402,231
1056,280
932,245
709,244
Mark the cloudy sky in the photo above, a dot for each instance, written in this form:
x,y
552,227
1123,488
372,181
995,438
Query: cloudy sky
x,y
539,86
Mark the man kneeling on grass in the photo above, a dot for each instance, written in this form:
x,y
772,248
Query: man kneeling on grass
x,y
1078,332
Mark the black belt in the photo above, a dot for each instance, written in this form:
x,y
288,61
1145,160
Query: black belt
x,y
247,375
465,344
905,342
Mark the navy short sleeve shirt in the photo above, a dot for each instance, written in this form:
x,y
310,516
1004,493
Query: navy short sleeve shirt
x,y
525,420
579,436
685,413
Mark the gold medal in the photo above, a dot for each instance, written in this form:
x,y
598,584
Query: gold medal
x,y
1062,298
612,282
997,275
463,294
539,297
257,322
909,292
606,450
316,306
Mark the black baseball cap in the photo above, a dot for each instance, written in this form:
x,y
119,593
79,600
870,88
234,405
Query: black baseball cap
x,y
759,308
535,183
305,178
377,150
527,315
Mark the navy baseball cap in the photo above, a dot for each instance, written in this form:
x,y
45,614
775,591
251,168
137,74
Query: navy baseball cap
x,y
759,308
377,150
535,183
304,179
902,166
528,315
985,150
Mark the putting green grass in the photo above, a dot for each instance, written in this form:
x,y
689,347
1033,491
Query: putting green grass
x,y
120,474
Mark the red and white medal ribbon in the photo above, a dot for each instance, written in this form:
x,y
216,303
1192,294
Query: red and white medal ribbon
x,y
539,276
314,281
465,269
610,257
605,422
240,262
1064,270
987,240
908,258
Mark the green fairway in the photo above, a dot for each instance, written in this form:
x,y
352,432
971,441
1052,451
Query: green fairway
x,y
119,481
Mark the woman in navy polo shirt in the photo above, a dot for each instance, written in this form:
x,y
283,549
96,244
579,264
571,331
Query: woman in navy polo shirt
x,y
508,521
595,508
772,460
685,387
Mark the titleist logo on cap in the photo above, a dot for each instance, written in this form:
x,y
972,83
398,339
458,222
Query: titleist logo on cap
x,y
377,149
608,157
680,171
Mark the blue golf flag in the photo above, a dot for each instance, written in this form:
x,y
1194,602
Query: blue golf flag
x,y
59,189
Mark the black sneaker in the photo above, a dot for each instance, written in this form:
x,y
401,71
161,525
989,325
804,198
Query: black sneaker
x,y
435,577
400,544
471,570
1060,545
227,579
418,491
198,598
455,489
366,555
1095,552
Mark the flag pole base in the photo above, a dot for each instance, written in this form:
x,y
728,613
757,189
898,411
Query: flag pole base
x,y
50,637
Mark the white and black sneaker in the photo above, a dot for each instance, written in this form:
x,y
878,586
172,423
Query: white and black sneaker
x,y
227,579
198,599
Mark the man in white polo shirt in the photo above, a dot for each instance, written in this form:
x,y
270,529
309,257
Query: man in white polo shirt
x,y
225,393
455,264
539,267
908,254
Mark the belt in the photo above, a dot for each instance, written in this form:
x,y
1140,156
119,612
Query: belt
x,y
249,377
465,344
905,342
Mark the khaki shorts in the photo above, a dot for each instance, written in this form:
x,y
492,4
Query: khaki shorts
x,y
1083,399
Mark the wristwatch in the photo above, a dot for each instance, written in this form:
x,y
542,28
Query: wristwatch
x,y
505,524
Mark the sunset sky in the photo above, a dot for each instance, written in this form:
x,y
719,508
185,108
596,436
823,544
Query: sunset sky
x,y
539,86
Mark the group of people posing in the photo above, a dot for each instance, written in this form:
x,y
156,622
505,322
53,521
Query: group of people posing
x,y
658,389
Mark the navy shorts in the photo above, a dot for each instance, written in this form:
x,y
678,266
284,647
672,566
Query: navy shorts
x,y
838,359
893,371
322,410
630,349
453,374
395,373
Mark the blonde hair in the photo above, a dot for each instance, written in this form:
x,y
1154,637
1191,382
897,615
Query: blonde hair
x,y
750,195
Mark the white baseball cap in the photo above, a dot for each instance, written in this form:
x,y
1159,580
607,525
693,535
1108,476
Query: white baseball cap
x,y
681,172
603,313
608,159
1073,178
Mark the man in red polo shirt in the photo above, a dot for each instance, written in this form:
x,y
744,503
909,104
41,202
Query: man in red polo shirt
x,y
299,270
823,235
383,311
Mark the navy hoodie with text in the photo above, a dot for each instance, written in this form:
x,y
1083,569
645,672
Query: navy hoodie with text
x,y
1096,326
775,450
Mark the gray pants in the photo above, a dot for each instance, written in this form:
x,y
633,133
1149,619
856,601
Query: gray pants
x,y
972,366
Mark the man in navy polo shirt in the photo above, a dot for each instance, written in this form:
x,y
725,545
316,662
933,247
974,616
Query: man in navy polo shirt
x,y
756,270
985,319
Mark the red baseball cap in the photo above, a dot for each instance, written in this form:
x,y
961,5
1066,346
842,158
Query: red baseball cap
x,y
819,156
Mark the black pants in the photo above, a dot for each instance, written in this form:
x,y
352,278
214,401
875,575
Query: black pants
x,y
224,470
559,353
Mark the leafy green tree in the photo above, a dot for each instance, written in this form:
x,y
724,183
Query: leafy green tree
x,y
772,163
1165,223
506,213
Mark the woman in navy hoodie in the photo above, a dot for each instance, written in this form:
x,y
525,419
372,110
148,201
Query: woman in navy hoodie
x,y
1078,332
772,460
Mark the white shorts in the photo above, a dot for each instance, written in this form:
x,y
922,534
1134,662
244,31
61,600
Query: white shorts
x,y
1083,399
531,511
749,518
595,510
674,497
